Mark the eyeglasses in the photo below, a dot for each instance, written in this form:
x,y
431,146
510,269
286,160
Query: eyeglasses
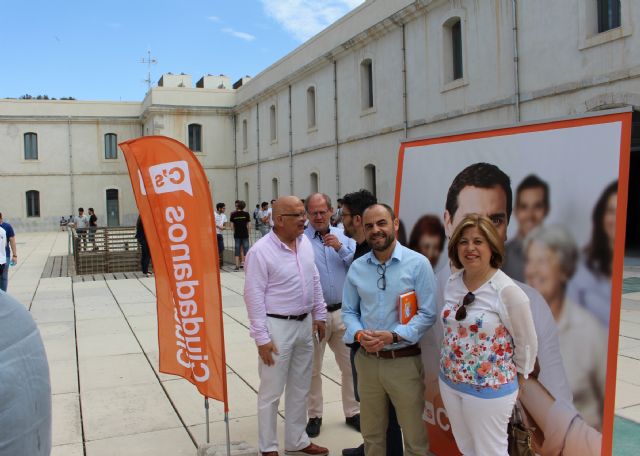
x,y
382,269
318,213
300,215
461,313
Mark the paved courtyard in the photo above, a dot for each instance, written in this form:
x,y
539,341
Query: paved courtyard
x,y
109,398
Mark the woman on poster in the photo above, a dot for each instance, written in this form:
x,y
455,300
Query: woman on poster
x,y
489,345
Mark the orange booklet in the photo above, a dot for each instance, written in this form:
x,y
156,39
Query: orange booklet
x,y
407,306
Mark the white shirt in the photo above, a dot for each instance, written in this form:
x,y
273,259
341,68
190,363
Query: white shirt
x,y
221,219
270,211
81,221
3,245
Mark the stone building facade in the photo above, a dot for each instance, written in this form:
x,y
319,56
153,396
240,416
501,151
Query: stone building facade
x,y
330,115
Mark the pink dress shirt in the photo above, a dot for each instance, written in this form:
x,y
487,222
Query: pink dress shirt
x,y
280,281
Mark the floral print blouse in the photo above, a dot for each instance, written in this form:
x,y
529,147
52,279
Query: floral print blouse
x,y
477,354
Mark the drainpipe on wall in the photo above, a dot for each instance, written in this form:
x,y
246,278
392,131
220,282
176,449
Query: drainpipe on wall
x,y
404,83
235,151
258,149
290,146
335,118
516,71
72,194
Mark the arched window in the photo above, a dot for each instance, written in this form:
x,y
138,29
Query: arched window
x,y
274,188
244,135
195,137
311,107
30,146
313,181
33,203
272,123
453,51
366,83
110,146
370,179
246,191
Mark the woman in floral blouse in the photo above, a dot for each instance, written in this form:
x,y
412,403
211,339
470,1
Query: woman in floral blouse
x,y
489,344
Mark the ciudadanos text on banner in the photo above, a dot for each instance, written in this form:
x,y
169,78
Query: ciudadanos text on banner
x,y
172,194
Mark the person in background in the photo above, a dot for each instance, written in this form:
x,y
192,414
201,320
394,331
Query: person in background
x,y
81,223
93,226
221,225
10,251
531,208
241,221
3,259
490,343
591,285
551,258
256,219
263,218
427,237
333,253
145,253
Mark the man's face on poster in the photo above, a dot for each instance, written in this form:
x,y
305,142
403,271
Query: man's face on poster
x,y
530,209
491,202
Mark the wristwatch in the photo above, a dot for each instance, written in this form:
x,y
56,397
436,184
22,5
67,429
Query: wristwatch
x,y
395,337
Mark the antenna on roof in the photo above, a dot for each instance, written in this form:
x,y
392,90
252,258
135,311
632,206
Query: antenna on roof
x,y
149,61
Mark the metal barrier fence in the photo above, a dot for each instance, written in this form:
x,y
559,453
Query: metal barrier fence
x,y
115,249
105,249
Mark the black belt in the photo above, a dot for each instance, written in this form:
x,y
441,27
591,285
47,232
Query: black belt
x,y
411,350
334,307
288,317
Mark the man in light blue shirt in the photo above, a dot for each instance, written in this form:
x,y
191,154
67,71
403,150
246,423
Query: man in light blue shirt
x,y
388,364
333,252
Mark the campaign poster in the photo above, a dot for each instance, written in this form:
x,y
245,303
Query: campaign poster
x,y
564,229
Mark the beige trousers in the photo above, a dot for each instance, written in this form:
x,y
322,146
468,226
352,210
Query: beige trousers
x,y
399,381
333,337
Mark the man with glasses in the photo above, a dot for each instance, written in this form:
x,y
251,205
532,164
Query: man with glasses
x,y
286,310
388,362
333,253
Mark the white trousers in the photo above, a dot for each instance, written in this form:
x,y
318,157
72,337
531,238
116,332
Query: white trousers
x,y
333,337
479,425
294,342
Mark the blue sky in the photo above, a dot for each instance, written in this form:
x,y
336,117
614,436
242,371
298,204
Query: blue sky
x,y
91,50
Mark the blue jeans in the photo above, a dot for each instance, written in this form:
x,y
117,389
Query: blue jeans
x,y
244,242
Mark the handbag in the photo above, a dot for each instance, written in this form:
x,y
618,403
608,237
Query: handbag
x,y
519,434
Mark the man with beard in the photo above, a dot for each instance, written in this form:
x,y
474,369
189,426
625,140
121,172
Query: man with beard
x,y
388,362
285,306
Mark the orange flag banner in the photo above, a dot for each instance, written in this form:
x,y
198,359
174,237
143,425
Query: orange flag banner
x,y
175,205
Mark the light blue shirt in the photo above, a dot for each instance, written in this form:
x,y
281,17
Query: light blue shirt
x,y
332,265
365,306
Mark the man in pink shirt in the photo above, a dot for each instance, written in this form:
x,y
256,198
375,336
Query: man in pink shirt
x,y
286,311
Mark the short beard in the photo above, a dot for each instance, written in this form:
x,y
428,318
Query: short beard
x,y
388,241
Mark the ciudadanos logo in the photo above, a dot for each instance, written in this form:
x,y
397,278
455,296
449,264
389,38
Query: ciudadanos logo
x,y
171,177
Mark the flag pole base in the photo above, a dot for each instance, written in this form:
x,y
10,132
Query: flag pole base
x,y
237,449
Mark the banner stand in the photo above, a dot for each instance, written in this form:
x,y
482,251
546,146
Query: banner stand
x,y
206,415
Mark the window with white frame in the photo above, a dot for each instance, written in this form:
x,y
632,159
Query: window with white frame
x,y
366,84
244,135
195,137
274,188
311,107
30,146
370,178
313,182
110,146
33,203
273,127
